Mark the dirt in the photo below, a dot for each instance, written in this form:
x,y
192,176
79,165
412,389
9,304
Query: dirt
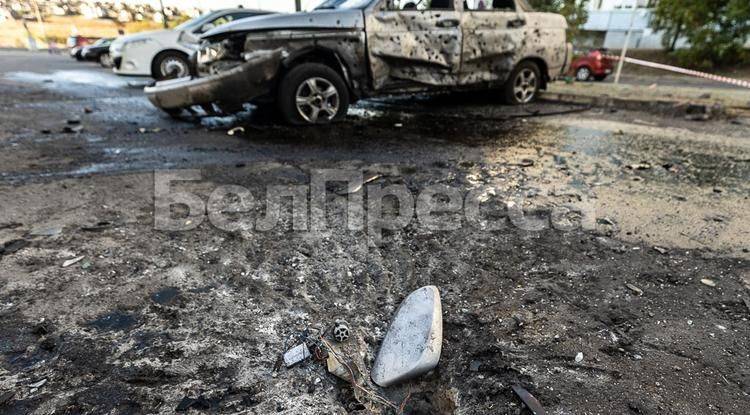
x,y
154,322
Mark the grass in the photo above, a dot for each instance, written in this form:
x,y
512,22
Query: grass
x,y
59,28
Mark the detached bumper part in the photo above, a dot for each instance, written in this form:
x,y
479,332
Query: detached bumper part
x,y
242,83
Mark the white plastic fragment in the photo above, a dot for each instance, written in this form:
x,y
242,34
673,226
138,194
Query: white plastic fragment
x,y
296,355
414,340
73,261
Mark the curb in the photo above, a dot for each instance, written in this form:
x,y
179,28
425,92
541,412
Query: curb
x,y
674,108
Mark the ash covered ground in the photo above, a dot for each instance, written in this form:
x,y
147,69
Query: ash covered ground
x,y
655,296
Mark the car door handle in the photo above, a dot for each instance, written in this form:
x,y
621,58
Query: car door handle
x,y
516,23
448,23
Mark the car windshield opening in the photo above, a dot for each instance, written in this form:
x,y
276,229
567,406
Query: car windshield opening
x,y
343,4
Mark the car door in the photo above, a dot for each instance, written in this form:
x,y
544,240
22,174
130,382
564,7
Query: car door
x,y
493,39
414,42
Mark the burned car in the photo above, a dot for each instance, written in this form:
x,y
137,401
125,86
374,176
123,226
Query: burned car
x,y
314,65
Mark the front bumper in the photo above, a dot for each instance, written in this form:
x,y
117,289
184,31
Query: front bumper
x,y
237,85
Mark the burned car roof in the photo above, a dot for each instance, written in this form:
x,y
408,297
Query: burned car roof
x,y
317,19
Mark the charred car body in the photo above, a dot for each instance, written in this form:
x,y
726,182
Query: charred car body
x,y
313,65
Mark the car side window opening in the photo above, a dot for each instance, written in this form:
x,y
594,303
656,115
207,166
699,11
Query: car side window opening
x,y
490,5
420,5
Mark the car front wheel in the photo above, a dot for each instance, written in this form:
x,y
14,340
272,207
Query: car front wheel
x,y
105,60
170,65
524,84
583,74
313,93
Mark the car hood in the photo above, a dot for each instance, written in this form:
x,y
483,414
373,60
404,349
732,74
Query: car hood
x,y
317,19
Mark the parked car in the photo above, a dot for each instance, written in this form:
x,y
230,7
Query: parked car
x,y
594,65
163,54
76,44
314,64
98,52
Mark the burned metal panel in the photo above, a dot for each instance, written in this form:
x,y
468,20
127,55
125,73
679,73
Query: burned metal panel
x,y
545,37
241,83
491,47
348,45
414,46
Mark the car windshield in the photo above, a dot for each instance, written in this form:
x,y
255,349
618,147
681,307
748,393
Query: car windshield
x,y
193,22
343,4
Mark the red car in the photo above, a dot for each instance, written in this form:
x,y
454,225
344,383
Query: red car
x,y
594,65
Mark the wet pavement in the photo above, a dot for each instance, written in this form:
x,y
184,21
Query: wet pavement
x,y
148,319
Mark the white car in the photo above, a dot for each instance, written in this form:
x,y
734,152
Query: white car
x,y
163,54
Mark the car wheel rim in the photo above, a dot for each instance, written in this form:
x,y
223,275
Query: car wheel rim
x,y
525,86
173,67
583,74
317,100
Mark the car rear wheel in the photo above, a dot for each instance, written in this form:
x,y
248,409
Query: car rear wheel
x,y
105,60
313,93
523,85
583,74
170,65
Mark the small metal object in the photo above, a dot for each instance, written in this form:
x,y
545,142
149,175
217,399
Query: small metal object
x,y
296,354
529,400
341,331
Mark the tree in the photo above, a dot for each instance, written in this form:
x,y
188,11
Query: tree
x,y
716,30
573,10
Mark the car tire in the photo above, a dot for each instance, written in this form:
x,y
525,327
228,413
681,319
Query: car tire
x,y
523,85
600,78
105,60
170,65
583,74
312,93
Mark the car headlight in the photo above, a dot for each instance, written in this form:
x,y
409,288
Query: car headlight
x,y
210,52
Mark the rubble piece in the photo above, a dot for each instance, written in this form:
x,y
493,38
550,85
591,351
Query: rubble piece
x,y
709,283
72,130
634,289
579,357
341,331
11,247
73,261
296,355
236,130
356,187
337,369
529,400
46,231
661,250
37,384
414,340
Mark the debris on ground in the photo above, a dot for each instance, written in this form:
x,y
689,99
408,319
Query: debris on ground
x,y
634,289
661,250
356,187
532,404
579,357
37,384
413,343
73,261
296,355
236,130
341,331
708,282
11,247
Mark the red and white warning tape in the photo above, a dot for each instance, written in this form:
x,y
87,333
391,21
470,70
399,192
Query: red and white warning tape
x,y
737,82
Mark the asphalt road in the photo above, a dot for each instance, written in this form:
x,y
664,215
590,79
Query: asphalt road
x,y
619,282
